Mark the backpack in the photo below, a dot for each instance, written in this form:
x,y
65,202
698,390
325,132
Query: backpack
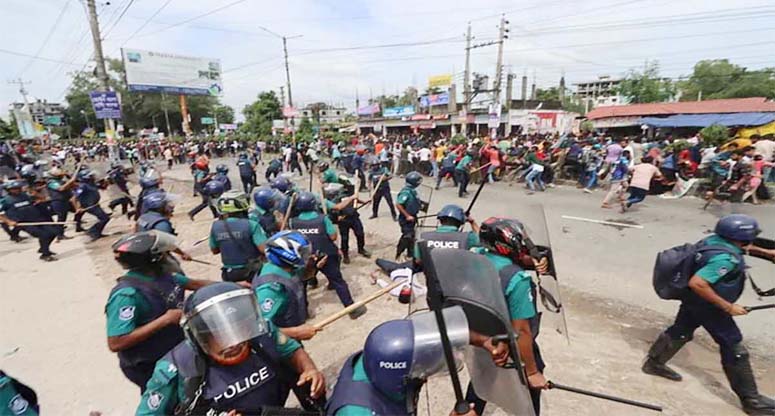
x,y
675,266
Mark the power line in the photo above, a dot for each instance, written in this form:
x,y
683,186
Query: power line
x,y
146,22
46,40
123,12
34,57
189,20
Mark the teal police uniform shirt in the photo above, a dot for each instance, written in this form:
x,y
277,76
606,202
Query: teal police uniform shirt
x,y
11,402
330,176
127,306
359,374
464,162
165,389
719,265
258,236
519,297
407,194
272,298
473,238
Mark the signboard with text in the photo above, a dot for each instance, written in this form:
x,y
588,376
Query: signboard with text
x,y
439,80
404,111
105,104
148,71
434,99
208,120
368,110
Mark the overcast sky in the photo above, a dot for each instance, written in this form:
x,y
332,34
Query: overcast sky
x,y
582,39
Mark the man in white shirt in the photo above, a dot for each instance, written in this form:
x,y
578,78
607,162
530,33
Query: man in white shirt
x,y
424,155
765,147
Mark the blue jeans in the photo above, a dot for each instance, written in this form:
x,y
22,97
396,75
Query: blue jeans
x,y
434,168
535,176
591,179
636,195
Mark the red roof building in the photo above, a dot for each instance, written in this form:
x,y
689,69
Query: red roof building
x,y
732,105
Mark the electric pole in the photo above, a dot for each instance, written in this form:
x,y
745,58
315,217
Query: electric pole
x,y
287,69
102,73
20,82
282,100
502,36
467,82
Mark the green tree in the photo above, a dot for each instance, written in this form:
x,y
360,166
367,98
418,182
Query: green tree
x,y
714,135
8,129
259,115
718,78
305,131
549,94
646,86
409,97
224,114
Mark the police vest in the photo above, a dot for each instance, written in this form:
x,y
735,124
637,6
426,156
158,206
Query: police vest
x,y
731,286
361,393
89,195
505,274
150,220
21,208
162,294
435,239
140,208
315,231
58,194
413,203
245,170
236,242
295,312
260,381
23,398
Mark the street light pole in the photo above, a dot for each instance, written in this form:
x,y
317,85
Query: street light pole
x,y
287,71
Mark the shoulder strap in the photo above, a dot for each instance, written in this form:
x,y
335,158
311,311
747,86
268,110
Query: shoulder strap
x,y
240,244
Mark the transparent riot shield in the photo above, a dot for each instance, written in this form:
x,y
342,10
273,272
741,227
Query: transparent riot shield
x,y
468,280
539,246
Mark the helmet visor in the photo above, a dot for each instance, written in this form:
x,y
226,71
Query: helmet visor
x,y
428,356
226,320
165,242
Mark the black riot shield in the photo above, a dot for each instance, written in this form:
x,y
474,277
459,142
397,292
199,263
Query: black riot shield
x,y
539,246
457,277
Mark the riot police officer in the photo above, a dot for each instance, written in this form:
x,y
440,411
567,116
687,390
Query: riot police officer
x,y
274,169
117,178
222,175
320,231
408,208
247,173
148,185
462,173
449,234
505,244
386,377
17,207
232,360
60,193
210,193
716,284
158,208
380,175
236,238
350,220
144,307
87,197
202,177
328,174
265,200
16,398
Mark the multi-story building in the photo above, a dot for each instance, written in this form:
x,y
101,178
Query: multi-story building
x,y
44,112
328,114
599,93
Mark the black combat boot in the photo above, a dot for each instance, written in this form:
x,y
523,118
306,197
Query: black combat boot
x,y
660,353
743,383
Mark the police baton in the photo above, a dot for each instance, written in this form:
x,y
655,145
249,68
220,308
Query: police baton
x,y
201,262
476,196
333,318
759,307
200,241
553,385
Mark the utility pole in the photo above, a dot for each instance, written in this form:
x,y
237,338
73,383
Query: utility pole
x,y
282,101
467,82
102,73
496,95
20,82
166,113
287,69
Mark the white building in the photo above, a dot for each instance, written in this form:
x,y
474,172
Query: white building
x,y
600,92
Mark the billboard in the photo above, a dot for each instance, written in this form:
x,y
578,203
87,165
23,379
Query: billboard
x,y
439,80
24,123
406,110
148,71
368,110
434,99
105,104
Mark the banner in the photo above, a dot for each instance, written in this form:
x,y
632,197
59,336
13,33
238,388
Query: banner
x,y
404,111
208,120
25,123
148,71
440,80
290,112
228,126
434,99
105,104
368,110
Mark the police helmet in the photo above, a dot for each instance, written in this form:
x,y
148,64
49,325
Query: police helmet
x,y
282,184
156,201
413,179
333,191
214,188
28,171
323,166
243,155
738,227
452,212
220,316
503,236
15,184
288,248
222,169
143,249
306,201
265,198
233,202
86,175
149,182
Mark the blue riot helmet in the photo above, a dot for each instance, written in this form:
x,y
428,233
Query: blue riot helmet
x,y
738,227
86,175
243,155
149,182
452,212
413,179
159,201
282,184
333,191
305,201
15,184
265,198
221,316
289,249
223,169
401,352
214,188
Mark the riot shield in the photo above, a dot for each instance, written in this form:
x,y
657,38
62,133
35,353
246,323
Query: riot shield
x,y
457,277
533,217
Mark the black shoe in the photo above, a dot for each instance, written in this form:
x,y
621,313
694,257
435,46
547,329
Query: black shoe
x,y
191,217
661,370
329,287
80,230
313,283
358,312
18,239
372,217
663,349
48,257
743,383
93,238
365,253
395,218
346,259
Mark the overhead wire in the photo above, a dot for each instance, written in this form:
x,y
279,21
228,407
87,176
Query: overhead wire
x,y
141,27
118,20
43,45
191,19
